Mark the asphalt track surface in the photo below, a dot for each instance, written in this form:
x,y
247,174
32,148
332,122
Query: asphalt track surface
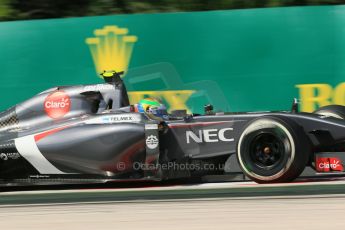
x,y
250,213
242,205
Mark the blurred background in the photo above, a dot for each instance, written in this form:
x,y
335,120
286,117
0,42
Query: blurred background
x,y
240,55
39,9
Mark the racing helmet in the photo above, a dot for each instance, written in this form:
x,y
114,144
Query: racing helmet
x,y
152,106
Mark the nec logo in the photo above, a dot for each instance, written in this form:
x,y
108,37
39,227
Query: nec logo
x,y
208,135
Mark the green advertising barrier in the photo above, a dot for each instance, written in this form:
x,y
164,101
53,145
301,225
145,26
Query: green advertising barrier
x,y
239,60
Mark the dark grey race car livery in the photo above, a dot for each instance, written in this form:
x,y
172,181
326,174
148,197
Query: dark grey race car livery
x,y
89,133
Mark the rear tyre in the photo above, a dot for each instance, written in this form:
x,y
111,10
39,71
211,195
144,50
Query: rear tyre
x,y
272,150
336,111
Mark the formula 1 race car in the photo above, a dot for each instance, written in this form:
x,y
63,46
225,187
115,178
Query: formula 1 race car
x,y
91,134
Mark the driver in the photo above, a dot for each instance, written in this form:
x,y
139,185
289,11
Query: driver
x,y
153,108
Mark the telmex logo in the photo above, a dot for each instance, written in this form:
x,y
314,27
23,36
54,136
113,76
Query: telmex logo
x,y
316,95
112,48
114,119
118,118
208,135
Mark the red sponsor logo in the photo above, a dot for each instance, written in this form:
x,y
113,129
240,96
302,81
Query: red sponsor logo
x,y
57,105
327,164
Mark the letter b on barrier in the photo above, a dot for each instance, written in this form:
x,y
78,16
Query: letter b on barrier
x,y
316,95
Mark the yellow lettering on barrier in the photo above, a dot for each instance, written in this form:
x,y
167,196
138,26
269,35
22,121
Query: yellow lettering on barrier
x,y
111,48
339,94
175,98
315,95
178,99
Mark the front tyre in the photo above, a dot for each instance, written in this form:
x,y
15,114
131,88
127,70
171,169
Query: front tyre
x,y
272,150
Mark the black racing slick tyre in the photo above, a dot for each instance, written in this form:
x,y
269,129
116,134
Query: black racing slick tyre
x,y
336,111
273,150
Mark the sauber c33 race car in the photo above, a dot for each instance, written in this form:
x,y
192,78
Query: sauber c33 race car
x,y
91,134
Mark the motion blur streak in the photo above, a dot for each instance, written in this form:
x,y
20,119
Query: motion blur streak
x,y
253,213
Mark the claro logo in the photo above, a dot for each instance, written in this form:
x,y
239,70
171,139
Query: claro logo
x,y
325,164
209,135
57,105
